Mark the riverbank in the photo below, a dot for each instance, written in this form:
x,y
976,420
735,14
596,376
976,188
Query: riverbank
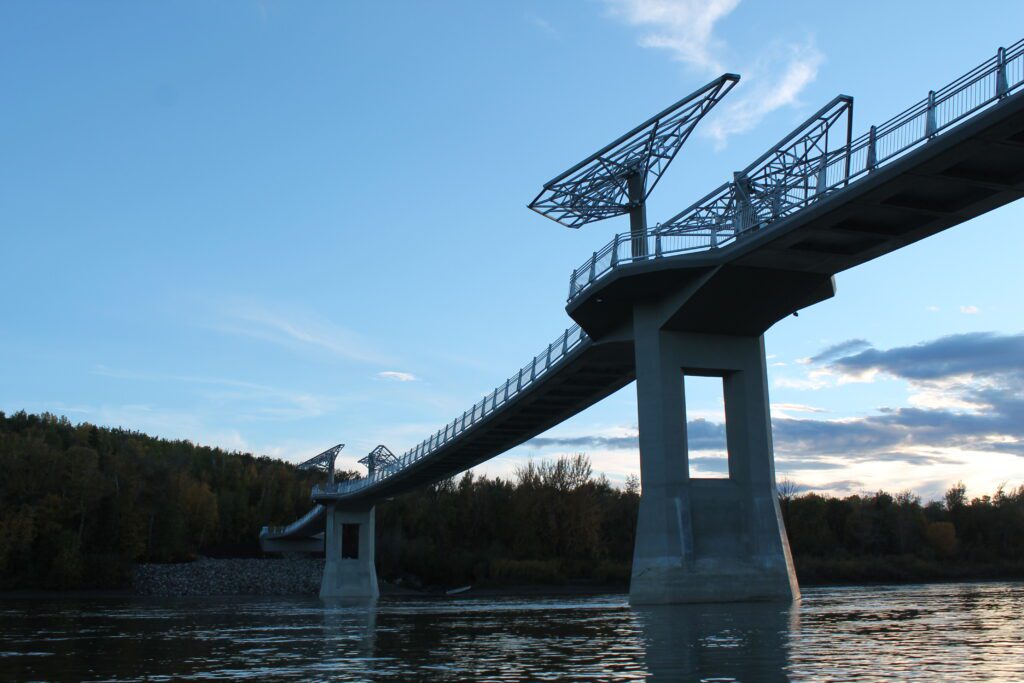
x,y
274,577
901,569
207,576
301,576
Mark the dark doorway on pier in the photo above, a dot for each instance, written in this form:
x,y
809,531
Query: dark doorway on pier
x,y
350,541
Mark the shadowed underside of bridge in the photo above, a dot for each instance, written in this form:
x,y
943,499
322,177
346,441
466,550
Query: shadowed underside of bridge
x,y
746,256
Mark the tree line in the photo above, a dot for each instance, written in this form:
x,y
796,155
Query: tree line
x,y
79,505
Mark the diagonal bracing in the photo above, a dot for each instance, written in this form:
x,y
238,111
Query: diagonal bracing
x,y
622,174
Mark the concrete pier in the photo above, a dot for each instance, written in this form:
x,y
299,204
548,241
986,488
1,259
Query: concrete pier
x,y
706,540
349,569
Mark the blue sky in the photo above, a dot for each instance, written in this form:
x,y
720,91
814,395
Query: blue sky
x,y
275,226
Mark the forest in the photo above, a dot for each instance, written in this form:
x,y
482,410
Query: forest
x,y
79,505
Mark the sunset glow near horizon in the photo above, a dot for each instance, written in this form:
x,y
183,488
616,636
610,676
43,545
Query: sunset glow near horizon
x,y
273,228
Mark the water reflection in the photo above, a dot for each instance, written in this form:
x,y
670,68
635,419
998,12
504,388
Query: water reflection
x,y
349,628
963,632
723,642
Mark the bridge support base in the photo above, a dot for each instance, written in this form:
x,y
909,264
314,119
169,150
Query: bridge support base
x,y
349,569
706,540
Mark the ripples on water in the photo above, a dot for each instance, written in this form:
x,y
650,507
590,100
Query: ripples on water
x,y
954,632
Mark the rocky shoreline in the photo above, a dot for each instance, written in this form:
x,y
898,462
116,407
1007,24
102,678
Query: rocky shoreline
x,y
223,577
208,577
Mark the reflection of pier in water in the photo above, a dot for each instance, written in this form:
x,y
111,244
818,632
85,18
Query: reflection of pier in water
x,y
600,636
739,641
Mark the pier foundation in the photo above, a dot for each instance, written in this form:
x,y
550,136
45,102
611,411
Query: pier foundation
x,y
349,569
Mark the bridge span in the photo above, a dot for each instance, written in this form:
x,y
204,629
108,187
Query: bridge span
x,y
694,295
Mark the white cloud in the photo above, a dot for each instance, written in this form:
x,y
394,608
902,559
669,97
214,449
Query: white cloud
x,y
686,28
397,376
816,379
683,27
785,409
970,310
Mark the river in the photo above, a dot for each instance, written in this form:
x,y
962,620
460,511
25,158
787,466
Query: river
x,y
961,632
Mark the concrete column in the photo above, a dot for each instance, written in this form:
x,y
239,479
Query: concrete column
x,y
349,569
706,540
664,539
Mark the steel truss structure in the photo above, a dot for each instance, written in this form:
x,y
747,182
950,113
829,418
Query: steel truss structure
x,y
817,159
380,457
324,462
781,181
622,174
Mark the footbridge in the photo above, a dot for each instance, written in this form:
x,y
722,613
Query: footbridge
x,y
694,294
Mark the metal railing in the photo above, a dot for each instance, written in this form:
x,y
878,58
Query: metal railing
x,y
804,168
541,365
297,524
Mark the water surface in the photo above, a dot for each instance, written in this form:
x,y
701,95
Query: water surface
x,y
963,632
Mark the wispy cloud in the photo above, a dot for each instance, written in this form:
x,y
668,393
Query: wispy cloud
x,y
258,401
841,349
776,80
683,27
298,330
686,29
785,409
701,435
970,310
396,376
540,22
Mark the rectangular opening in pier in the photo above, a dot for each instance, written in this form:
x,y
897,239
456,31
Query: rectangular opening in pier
x,y
705,427
350,541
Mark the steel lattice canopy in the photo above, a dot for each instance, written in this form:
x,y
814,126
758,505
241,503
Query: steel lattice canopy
x,y
597,187
810,160
324,461
380,456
